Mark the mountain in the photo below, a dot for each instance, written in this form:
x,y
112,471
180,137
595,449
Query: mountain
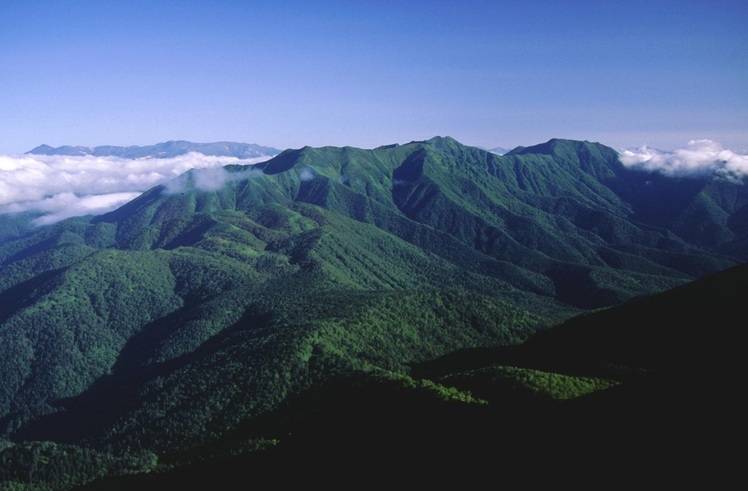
x,y
499,150
163,150
192,323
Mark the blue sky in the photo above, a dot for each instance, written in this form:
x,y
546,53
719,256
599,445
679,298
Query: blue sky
x,y
368,73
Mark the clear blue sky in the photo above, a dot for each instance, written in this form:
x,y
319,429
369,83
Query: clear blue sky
x,y
371,72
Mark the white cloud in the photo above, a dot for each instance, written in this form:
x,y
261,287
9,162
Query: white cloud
x,y
66,205
207,179
307,174
699,157
64,186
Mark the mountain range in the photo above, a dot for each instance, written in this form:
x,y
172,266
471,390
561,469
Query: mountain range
x,y
162,150
341,303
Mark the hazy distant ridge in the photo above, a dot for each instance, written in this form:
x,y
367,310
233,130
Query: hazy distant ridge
x,y
168,149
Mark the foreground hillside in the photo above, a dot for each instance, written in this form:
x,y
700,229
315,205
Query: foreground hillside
x,y
141,338
644,392
636,393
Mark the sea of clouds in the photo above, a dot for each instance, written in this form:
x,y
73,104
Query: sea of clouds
x,y
698,158
60,187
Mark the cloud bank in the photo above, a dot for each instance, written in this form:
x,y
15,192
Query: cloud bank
x,y
60,187
698,158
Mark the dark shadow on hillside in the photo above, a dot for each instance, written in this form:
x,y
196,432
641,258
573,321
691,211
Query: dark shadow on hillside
x,y
113,396
24,294
358,429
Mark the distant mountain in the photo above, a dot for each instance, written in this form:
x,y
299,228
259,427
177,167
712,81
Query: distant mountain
x,y
190,324
163,150
499,150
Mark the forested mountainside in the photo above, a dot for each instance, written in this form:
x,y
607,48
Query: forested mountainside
x,y
636,393
144,336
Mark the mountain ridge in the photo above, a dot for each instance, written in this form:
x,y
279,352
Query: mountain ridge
x,y
168,149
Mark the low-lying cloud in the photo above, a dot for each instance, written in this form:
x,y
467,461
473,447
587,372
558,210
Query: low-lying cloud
x,y
66,205
207,179
307,174
698,158
60,187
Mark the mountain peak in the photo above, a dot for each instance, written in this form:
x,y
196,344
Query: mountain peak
x,y
555,146
42,149
442,139
63,150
